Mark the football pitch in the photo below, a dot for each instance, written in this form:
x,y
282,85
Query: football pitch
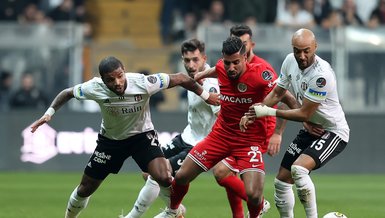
x,y
41,195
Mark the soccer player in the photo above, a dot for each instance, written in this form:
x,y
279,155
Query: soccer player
x,y
313,82
241,85
226,171
126,128
201,117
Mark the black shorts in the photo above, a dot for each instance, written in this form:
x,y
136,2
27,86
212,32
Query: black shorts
x,y
176,151
321,149
109,155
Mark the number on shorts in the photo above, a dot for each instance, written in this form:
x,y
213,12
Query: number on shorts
x,y
318,144
256,156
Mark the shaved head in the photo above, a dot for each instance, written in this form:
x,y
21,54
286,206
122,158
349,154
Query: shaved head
x,y
304,46
304,37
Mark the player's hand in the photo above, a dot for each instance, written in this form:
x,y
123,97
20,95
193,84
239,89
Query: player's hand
x,y
44,119
214,99
245,121
261,110
274,144
314,129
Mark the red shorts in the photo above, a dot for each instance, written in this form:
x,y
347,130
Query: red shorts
x,y
213,149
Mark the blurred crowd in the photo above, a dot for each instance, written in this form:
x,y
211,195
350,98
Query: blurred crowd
x,y
180,18
44,12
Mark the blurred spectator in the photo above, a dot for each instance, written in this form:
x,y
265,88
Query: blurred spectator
x,y
10,9
5,90
216,13
251,12
346,16
28,96
294,16
70,10
377,17
157,98
32,15
320,9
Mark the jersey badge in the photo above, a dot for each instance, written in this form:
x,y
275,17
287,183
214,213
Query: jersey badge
x,y
304,86
213,90
321,82
242,87
138,97
267,75
152,79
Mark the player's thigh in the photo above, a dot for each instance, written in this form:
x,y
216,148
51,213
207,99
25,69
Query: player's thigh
x,y
301,142
325,148
225,168
147,154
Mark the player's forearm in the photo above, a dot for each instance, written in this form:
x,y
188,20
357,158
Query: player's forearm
x,y
62,98
280,124
293,114
211,72
186,82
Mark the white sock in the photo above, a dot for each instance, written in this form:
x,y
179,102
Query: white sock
x,y
146,197
165,193
75,204
305,190
284,198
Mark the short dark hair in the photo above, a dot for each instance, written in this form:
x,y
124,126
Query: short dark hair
x,y
108,65
240,29
232,45
192,45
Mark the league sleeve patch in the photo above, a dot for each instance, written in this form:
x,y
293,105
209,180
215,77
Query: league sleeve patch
x,y
152,79
267,75
317,93
213,89
321,82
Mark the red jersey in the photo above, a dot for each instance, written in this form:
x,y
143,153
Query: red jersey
x,y
236,98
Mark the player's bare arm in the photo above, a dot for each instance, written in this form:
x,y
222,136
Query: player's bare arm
x,y
211,72
275,140
188,83
62,98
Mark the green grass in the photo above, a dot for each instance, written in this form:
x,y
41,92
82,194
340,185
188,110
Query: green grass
x,y
40,195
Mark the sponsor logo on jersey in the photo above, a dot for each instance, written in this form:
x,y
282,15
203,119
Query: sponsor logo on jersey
x,y
304,86
213,90
267,75
293,149
321,82
238,100
289,77
317,93
242,87
152,79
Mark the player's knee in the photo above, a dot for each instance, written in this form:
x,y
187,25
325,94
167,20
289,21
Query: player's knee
x,y
298,172
164,179
221,171
254,195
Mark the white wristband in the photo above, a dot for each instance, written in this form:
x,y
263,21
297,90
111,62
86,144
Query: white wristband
x,y
205,95
50,111
263,110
